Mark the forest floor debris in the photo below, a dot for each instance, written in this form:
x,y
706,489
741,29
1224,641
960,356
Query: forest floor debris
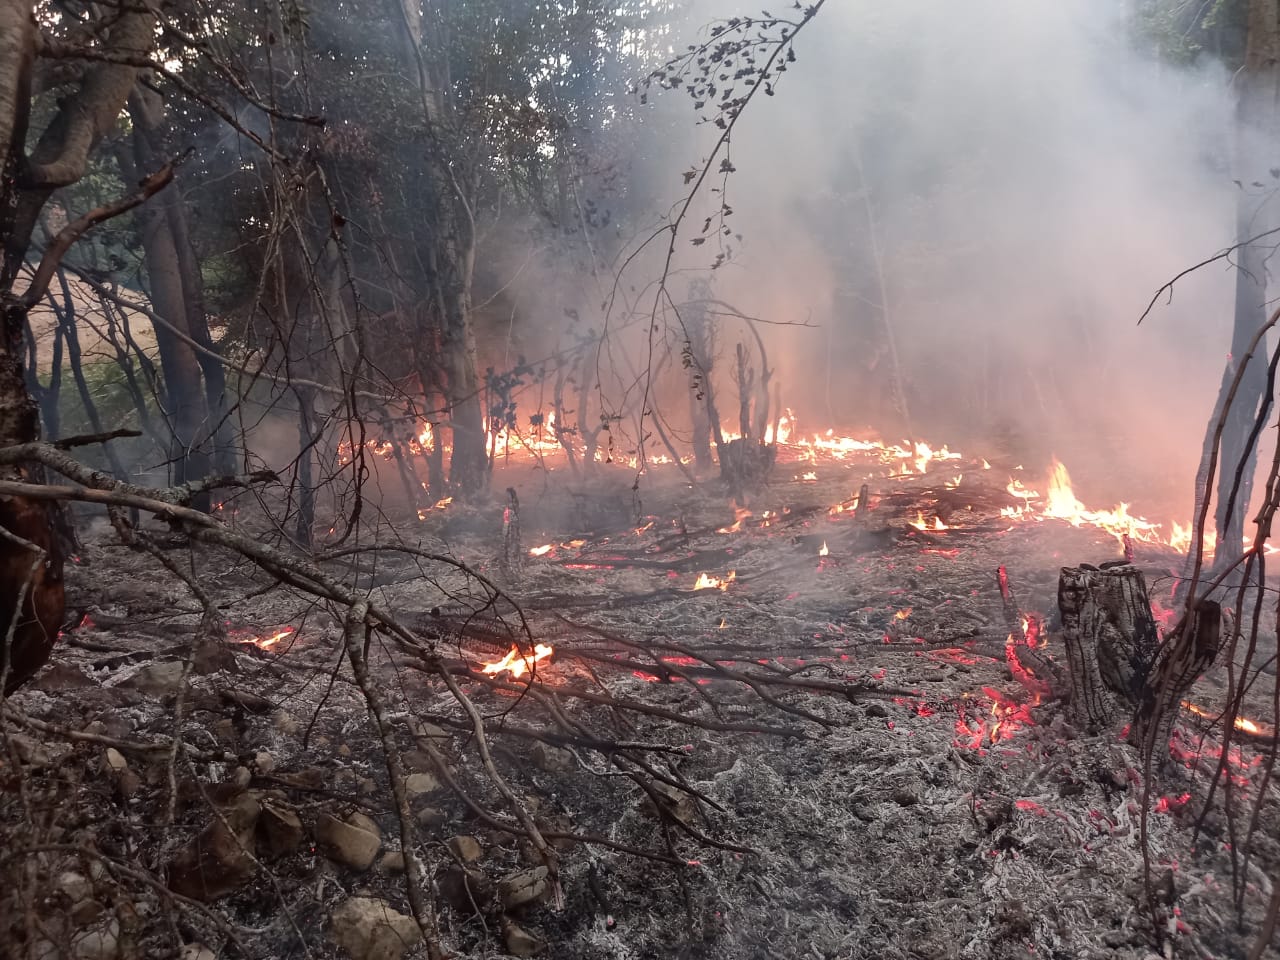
x,y
939,814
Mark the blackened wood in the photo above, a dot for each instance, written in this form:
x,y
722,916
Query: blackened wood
x,y
1183,658
1110,636
512,559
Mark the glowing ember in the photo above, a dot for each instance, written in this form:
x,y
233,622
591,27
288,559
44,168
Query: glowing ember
x,y
517,663
267,642
715,583
1241,723
542,550
438,505
903,613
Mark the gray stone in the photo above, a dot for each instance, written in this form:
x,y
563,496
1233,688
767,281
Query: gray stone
x,y
392,862
221,859
465,889
100,943
364,822
74,886
552,759
369,929
350,843
156,679
466,849
420,784
86,912
432,817
523,887
520,942
279,830
431,731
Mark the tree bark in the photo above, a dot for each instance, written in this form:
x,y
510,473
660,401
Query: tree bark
x,y
32,599
1256,146
219,427
184,401
1111,639
1183,658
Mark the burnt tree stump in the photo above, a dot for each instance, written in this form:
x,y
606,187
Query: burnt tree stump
x,y
745,464
1110,636
1116,660
1184,656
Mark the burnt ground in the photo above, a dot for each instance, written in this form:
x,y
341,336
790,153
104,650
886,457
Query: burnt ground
x,y
910,802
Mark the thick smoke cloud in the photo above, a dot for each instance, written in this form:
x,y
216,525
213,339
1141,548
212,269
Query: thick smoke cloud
x,y
1014,178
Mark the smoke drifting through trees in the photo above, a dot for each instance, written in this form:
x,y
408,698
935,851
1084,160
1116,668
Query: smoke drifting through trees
x,y
1010,183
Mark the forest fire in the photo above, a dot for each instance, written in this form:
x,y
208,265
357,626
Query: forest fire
x,y
921,524
902,460
517,663
707,582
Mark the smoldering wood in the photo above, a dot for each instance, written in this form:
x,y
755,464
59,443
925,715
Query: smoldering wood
x,y
1110,637
512,559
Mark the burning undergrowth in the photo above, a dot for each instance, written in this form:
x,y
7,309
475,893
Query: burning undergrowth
x,y
814,725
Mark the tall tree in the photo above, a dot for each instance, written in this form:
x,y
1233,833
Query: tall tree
x,y
1257,150
31,555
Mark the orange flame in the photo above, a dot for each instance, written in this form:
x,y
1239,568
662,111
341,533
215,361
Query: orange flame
x,y
1240,723
266,643
739,514
823,551
706,582
517,663
542,550
920,524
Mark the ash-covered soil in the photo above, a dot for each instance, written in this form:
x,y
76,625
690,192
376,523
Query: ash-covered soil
x,y
886,789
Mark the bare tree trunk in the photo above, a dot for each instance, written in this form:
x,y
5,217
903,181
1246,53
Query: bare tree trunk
x,y
1256,144
451,253
215,379
182,396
